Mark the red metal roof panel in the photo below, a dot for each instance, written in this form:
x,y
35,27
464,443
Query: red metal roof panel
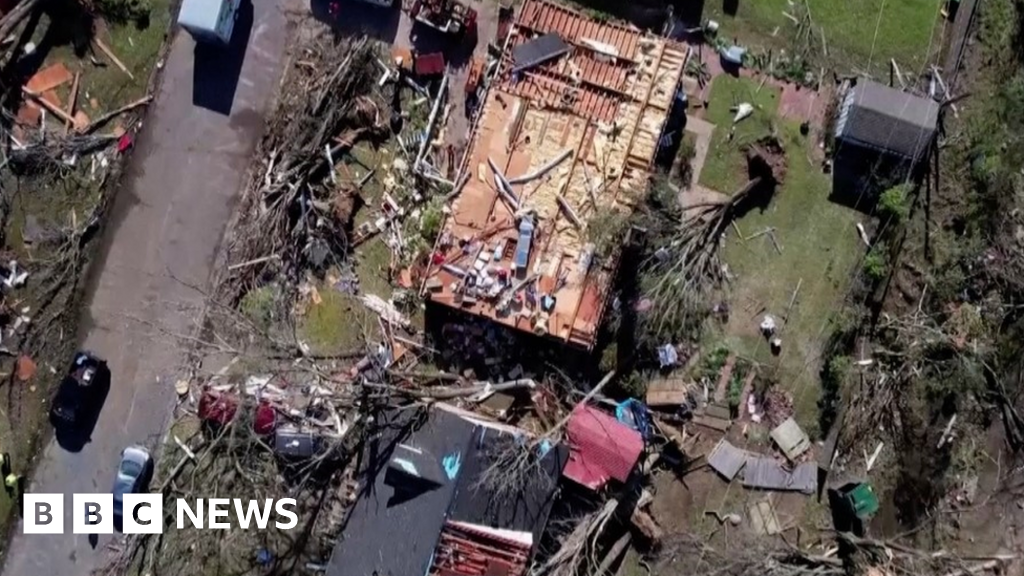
x,y
601,448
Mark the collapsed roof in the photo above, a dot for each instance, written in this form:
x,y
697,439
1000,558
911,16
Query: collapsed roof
x,y
447,450
568,129
881,118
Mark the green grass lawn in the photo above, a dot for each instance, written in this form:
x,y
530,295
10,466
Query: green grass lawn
x,y
903,32
725,168
820,251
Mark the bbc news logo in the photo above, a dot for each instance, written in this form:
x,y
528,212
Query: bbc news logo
x,y
144,514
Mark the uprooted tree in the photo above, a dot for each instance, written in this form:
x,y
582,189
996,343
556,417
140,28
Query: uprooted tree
x,y
684,268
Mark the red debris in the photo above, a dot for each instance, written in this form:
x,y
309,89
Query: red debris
x,y
429,64
220,409
600,448
26,368
124,142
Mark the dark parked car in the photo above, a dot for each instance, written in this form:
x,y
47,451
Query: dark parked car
x,y
81,392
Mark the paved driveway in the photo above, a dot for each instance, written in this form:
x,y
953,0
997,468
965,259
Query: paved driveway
x,y
167,225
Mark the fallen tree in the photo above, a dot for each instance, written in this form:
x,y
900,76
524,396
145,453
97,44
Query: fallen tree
x,y
288,221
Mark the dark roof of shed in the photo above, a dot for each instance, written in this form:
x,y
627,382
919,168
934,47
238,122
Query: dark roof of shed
x,y
387,532
382,521
883,118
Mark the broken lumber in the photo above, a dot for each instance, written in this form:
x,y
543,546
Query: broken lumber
x,y
71,103
176,471
113,58
431,121
48,105
12,19
114,113
438,394
542,170
614,553
254,262
569,212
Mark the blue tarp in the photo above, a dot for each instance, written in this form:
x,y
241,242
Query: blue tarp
x,y
633,413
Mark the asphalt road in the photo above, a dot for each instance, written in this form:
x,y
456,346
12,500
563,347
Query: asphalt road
x,y
167,225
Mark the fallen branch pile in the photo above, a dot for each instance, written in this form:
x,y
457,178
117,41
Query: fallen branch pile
x,y
289,209
580,547
684,271
56,152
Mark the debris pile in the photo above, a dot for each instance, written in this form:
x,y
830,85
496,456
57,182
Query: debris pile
x,y
298,218
46,134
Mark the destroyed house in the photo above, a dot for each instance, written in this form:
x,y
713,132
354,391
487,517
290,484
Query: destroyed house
x,y
568,129
422,510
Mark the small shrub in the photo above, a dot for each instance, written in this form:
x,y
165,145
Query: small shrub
x,y
687,152
609,358
258,306
122,11
875,265
430,222
894,203
735,391
633,385
832,375
606,230
714,362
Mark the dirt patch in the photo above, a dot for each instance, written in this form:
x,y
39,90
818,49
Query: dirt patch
x,y
766,159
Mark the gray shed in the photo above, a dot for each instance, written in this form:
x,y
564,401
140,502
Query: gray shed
x,y
887,120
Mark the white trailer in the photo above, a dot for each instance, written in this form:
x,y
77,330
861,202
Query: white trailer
x,y
210,21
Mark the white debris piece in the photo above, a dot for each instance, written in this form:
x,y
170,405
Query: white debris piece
x,y
385,310
14,278
863,235
743,111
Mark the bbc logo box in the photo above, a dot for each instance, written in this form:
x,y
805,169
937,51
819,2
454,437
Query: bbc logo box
x,y
93,514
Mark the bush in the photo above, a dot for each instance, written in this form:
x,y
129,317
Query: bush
x,y
122,11
687,152
833,375
895,203
606,230
875,266
430,222
258,305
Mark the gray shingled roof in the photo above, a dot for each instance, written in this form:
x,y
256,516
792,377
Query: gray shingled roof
x,y
883,118
387,532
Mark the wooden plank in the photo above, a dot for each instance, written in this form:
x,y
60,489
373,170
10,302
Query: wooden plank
x,y
716,424
48,105
113,58
666,393
72,99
